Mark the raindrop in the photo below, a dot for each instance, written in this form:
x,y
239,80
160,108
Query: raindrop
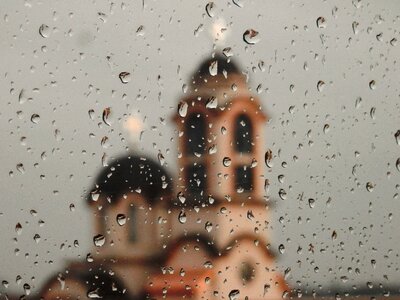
x,y
99,240
282,194
125,77
355,27
20,168
106,115
104,141
161,158
208,226
36,238
94,293
44,31
281,249
251,37
182,217
210,9
234,294
326,128
226,161
227,52
91,114
182,109
321,22
268,158
18,228
397,137
121,219
393,42
311,202
320,86
372,84
35,118
358,102
372,112
398,164
212,103
370,186
181,197
238,3
213,68
27,289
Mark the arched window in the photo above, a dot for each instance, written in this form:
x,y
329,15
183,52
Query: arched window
x,y
244,178
196,134
243,134
196,179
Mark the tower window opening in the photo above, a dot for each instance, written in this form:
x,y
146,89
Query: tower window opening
x,y
196,134
243,134
244,178
132,224
196,179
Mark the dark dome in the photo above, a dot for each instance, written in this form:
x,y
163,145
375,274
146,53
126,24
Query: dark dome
x,y
224,64
130,173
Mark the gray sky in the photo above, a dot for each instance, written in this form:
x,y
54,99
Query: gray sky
x,y
75,68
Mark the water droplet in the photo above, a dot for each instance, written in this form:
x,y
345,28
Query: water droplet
x,y
320,86
326,128
161,158
27,289
94,195
35,118
94,293
44,31
182,217
355,27
397,137
99,240
210,9
234,294
20,168
226,161
91,114
104,141
251,37
282,194
311,203
121,219
106,115
213,68
370,186
238,3
398,164
125,77
227,52
393,42
18,228
181,197
372,85
321,22
268,158
36,238
281,248
182,109
208,226
372,112
212,103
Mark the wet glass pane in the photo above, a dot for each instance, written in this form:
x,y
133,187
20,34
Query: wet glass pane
x,y
238,149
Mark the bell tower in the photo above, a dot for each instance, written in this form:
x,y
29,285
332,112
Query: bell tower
x,y
220,151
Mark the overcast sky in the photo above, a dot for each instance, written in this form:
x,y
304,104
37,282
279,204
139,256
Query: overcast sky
x,y
72,67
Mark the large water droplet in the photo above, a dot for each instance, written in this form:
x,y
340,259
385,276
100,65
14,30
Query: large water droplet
x,y
121,219
182,217
44,31
226,161
251,36
397,137
106,115
181,197
208,226
281,248
370,186
234,294
321,22
212,103
372,85
210,9
182,109
35,119
213,68
282,194
99,240
398,164
125,77
320,86
268,158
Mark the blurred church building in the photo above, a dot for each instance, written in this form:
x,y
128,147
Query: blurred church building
x,y
201,235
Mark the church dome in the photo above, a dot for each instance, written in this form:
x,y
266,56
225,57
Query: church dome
x,y
131,174
222,65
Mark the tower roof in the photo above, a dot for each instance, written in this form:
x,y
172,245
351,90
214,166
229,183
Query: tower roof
x,y
132,174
